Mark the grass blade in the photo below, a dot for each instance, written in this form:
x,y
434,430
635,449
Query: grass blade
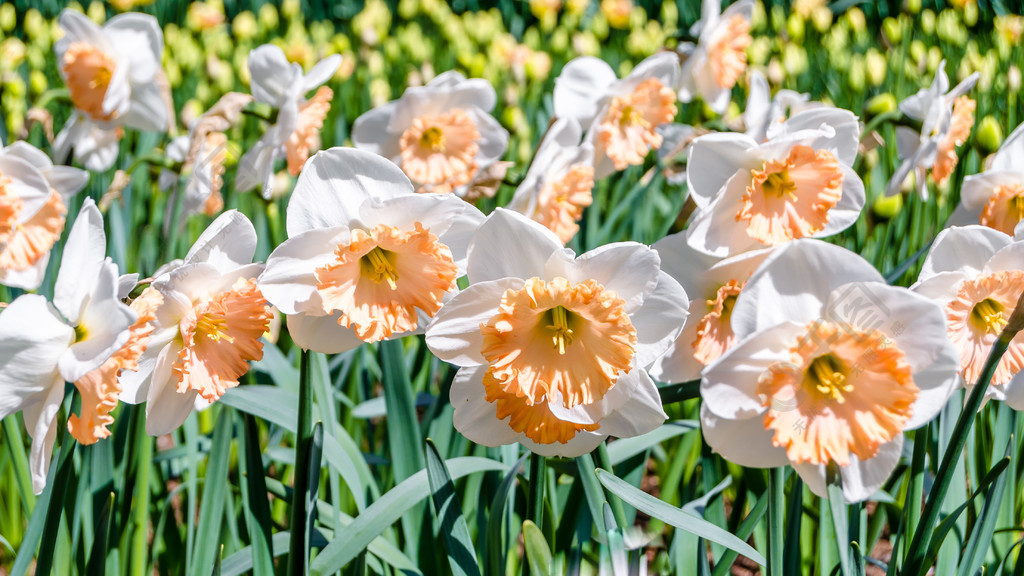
x,y
538,553
215,491
298,544
461,554
254,502
840,523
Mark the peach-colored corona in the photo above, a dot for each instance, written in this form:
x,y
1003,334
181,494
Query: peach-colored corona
x,y
25,243
1004,209
306,135
959,130
88,71
714,332
727,53
628,128
560,203
977,316
439,151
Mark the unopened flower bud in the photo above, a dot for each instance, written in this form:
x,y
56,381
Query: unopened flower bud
x,y
989,135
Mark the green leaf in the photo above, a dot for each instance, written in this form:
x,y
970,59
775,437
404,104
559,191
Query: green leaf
x,y
538,553
461,555
350,541
980,540
592,490
54,504
215,490
254,501
495,550
837,505
669,514
98,555
625,448
743,532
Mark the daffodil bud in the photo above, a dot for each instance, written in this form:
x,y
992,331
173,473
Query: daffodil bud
x,y
795,27
912,6
880,104
290,9
971,13
887,206
37,82
858,23
96,12
876,67
927,22
268,19
855,76
34,24
822,18
892,30
244,25
1013,78
989,135
8,17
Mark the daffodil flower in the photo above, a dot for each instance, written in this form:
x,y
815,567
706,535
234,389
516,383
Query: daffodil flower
x,y
995,198
111,73
798,184
367,259
947,117
977,274
43,345
281,84
33,198
553,348
442,134
202,190
713,284
620,117
719,58
831,365
209,316
558,185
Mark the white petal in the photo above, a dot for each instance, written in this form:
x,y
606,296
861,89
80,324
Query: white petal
x,y
26,182
148,110
227,243
629,269
714,230
454,334
659,320
1010,155
860,479
322,333
678,364
370,131
78,28
686,265
27,279
493,137
475,417
843,124
641,413
288,281
138,40
745,442
719,156
335,182
580,87
321,72
793,283
963,249
83,255
978,188
32,339
39,421
936,384
583,443
510,245
166,408
729,384
105,321
661,65
942,287
850,204
270,73
1008,258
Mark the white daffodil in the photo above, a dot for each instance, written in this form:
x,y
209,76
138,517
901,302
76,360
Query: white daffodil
x,y
620,117
442,135
367,259
558,185
554,348
713,285
765,114
209,318
719,58
977,274
204,177
33,198
112,74
995,198
946,121
296,132
43,345
831,365
799,183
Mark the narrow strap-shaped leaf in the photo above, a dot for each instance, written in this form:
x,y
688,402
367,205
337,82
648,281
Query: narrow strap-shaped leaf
x,y
592,489
625,448
538,553
54,505
254,502
837,505
215,490
350,541
776,518
669,514
495,545
98,555
461,554
980,540
745,529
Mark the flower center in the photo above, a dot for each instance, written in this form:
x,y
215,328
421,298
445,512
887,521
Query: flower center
x,y
439,152
547,337
1004,209
714,332
727,54
29,241
219,338
88,71
306,135
560,203
959,130
791,198
382,276
845,391
81,333
977,316
628,128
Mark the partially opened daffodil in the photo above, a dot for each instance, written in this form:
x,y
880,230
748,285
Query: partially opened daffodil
x,y
43,345
719,58
830,366
209,319
554,347
366,259
799,183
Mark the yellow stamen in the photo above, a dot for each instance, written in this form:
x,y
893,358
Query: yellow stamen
x,y
975,319
439,152
562,336
827,375
778,184
988,316
432,139
213,328
379,266
81,333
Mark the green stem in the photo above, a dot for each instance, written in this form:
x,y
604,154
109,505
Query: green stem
x,y
915,491
535,503
140,510
776,513
298,548
604,460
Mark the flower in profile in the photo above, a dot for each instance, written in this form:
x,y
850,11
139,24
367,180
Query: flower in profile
x,y
764,114
112,74
719,59
620,117
33,198
209,318
797,184
995,198
205,176
45,345
558,185
946,117
367,259
977,274
553,348
441,135
831,365
713,284
296,131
